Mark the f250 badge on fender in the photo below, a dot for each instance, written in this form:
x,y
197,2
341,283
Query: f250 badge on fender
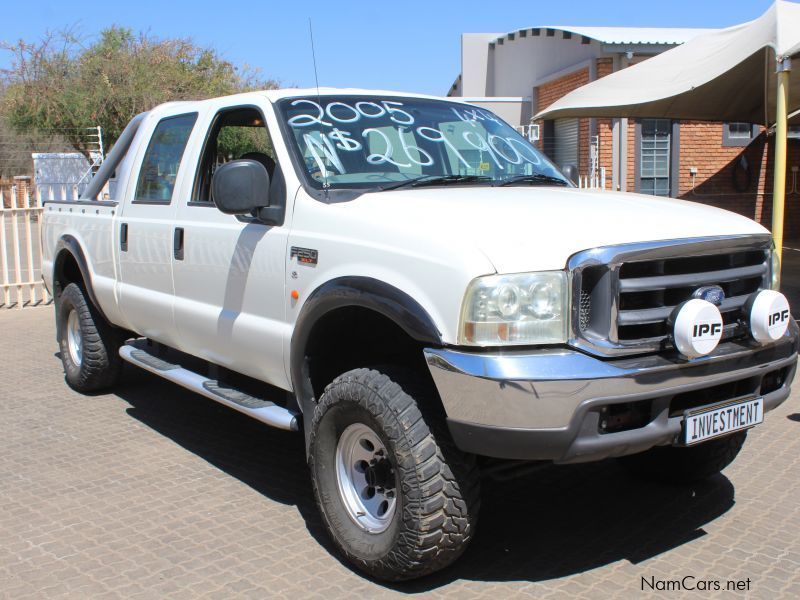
x,y
305,256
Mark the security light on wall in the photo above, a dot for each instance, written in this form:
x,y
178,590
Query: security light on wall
x,y
530,131
533,132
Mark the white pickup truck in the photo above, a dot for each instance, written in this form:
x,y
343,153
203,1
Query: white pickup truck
x,y
420,291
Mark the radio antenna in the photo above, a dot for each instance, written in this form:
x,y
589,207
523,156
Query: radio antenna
x,y
319,100
313,54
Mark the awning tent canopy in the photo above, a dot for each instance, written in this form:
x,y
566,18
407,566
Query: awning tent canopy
x,y
725,75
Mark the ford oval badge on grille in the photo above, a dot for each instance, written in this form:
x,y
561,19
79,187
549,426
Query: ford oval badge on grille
x,y
710,293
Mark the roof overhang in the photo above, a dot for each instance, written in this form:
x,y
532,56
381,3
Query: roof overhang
x,y
723,75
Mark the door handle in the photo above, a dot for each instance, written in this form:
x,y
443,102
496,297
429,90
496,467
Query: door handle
x,y
123,237
177,243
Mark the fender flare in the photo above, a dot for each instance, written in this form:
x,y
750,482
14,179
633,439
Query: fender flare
x,y
364,292
69,245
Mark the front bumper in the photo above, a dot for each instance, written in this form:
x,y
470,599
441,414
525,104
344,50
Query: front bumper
x,y
556,404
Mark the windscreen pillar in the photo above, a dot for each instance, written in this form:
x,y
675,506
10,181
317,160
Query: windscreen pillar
x,y
781,129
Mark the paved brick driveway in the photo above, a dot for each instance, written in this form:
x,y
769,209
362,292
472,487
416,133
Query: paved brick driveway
x,y
153,492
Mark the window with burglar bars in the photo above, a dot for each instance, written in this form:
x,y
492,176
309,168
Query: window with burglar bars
x,y
654,167
739,134
740,131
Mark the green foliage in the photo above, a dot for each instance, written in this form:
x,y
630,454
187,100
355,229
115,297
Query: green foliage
x,y
62,84
233,142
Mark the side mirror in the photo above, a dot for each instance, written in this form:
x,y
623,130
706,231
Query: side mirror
x,y
240,187
571,173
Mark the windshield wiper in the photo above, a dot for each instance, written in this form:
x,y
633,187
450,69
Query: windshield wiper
x,y
436,180
533,179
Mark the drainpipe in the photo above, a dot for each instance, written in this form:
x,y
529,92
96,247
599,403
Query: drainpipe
x,y
781,126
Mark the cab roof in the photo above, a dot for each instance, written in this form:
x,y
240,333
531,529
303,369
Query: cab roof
x,y
279,94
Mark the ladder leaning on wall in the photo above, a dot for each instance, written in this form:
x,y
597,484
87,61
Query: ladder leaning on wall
x,y
596,179
94,146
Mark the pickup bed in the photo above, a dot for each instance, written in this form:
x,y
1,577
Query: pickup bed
x,y
424,295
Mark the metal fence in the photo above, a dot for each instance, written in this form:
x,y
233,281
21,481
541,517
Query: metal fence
x,y
21,247
21,208
593,181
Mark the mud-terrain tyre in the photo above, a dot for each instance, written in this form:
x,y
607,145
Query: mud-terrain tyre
x,y
89,345
674,464
397,497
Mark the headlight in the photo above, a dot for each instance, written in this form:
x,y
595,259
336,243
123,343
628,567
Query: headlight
x,y
775,271
526,308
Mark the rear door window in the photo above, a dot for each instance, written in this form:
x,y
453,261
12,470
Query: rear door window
x,y
163,159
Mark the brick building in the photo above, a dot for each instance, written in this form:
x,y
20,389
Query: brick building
x,y
520,73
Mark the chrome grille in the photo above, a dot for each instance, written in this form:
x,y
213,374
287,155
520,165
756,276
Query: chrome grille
x,y
649,291
623,296
585,310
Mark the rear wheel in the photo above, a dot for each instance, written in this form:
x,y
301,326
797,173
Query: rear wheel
x,y
397,497
89,345
686,464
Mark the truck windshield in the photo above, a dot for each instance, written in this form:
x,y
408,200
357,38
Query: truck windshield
x,y
389,143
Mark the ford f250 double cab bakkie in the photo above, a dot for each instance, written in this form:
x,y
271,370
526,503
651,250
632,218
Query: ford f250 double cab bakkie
x,y
419,291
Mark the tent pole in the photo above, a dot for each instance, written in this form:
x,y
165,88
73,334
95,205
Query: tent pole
x,y
779,181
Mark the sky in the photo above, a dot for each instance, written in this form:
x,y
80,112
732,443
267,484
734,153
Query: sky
x,y
382,44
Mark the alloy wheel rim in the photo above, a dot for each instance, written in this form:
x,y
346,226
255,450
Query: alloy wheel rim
x,y
366,479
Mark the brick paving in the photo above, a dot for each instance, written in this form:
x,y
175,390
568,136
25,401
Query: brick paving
x,y
153,492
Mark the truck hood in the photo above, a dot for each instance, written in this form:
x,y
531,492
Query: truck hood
x,y
538,228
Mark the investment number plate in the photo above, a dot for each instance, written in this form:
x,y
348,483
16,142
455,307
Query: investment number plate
x,y
714,422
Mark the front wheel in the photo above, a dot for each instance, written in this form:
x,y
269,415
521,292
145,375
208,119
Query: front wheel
x,y
686,464
396,496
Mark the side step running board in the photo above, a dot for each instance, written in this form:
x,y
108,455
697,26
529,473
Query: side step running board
x,y
258,408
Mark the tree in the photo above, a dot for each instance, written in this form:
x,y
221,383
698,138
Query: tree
x,y
61,84
16,148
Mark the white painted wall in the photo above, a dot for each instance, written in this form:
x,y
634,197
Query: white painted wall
x,y
516,66
58,168
475,64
